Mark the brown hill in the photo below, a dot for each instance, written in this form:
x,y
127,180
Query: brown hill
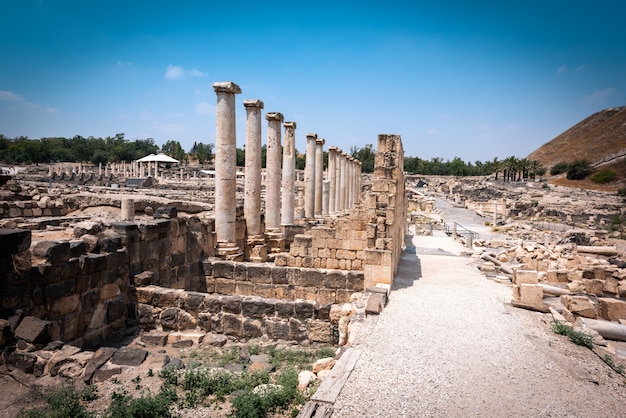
x,y
599,139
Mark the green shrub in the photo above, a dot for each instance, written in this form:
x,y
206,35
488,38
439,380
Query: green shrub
x,y
622,192
124,406
604,176
578,170
559,168
578,338
62,403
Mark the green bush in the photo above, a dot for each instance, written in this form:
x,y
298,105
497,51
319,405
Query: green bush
x,y
124,406
559,168
622,192
578,170
62,403
578,338
604,176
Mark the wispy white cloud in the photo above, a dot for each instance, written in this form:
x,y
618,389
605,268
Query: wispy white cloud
x,y
600,95
205,108
51,109
565,69
123,64
9,96
432,132
175,72
196,73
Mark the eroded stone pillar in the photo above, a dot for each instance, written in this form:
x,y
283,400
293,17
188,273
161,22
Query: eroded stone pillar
x,y
309,177
332,178
325,197
252,188
344,182
226,171
128,210
273,232
273,171
289,172
319,175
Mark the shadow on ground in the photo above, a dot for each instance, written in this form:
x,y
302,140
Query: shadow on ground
x,y
409,269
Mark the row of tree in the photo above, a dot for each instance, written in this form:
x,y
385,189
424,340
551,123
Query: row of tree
x,y
95,150
117,149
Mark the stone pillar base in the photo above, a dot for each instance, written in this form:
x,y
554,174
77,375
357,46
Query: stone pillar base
x,y
256,249
228,251
275,240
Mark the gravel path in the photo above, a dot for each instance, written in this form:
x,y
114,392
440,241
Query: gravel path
x,y
445,346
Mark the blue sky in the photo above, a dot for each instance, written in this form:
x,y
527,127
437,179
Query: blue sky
x,y
475,79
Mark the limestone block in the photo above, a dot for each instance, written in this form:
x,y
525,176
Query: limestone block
x,y
612,309
580,306
244,288
326,296
265,290
297,330
224,286
323,364
52,251
621,289
610,285
576,286
525,277
531,294
129,356
305,378
232,325
593,286
34,330
277,329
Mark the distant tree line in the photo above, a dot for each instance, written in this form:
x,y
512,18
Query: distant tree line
x,y
94,150
117,148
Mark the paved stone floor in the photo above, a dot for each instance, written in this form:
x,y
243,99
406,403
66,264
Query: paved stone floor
x,y
446,347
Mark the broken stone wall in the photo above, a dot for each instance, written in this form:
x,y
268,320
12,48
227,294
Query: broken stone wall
x,y
265,280
166,311
386,212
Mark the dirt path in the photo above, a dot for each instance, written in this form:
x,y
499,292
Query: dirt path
x,y
446,346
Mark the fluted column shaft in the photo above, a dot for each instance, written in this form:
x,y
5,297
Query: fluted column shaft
x,y
252,200
344,183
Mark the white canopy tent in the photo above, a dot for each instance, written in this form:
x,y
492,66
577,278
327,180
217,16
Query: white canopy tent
x,y
159,158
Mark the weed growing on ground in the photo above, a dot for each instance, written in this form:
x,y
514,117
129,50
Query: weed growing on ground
x,y
577,337
65,402
611,363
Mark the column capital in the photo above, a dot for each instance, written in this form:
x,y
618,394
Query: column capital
x,y
333,148
320,141
311,136
289,125
274,116
226,87
253,103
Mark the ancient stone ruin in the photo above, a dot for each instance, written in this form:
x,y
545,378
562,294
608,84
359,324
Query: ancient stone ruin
x,y
88,259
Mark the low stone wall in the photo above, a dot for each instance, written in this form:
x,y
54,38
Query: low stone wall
x,y
170,310
32,208
324,286
339,246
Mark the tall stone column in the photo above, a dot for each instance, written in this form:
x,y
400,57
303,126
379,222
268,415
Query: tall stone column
x,y
344,182
319,175
289,172
252,189
325,197
273,170
226,171
359,170
332,178
309,177
273,232
255,250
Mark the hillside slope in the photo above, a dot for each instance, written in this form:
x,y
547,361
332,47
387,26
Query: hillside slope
x,y
599,138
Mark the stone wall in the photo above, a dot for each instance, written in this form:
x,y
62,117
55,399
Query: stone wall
x,y
324,286
386,212
169,310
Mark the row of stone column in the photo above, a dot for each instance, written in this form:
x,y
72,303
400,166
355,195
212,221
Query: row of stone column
x,y
340,191
337,194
